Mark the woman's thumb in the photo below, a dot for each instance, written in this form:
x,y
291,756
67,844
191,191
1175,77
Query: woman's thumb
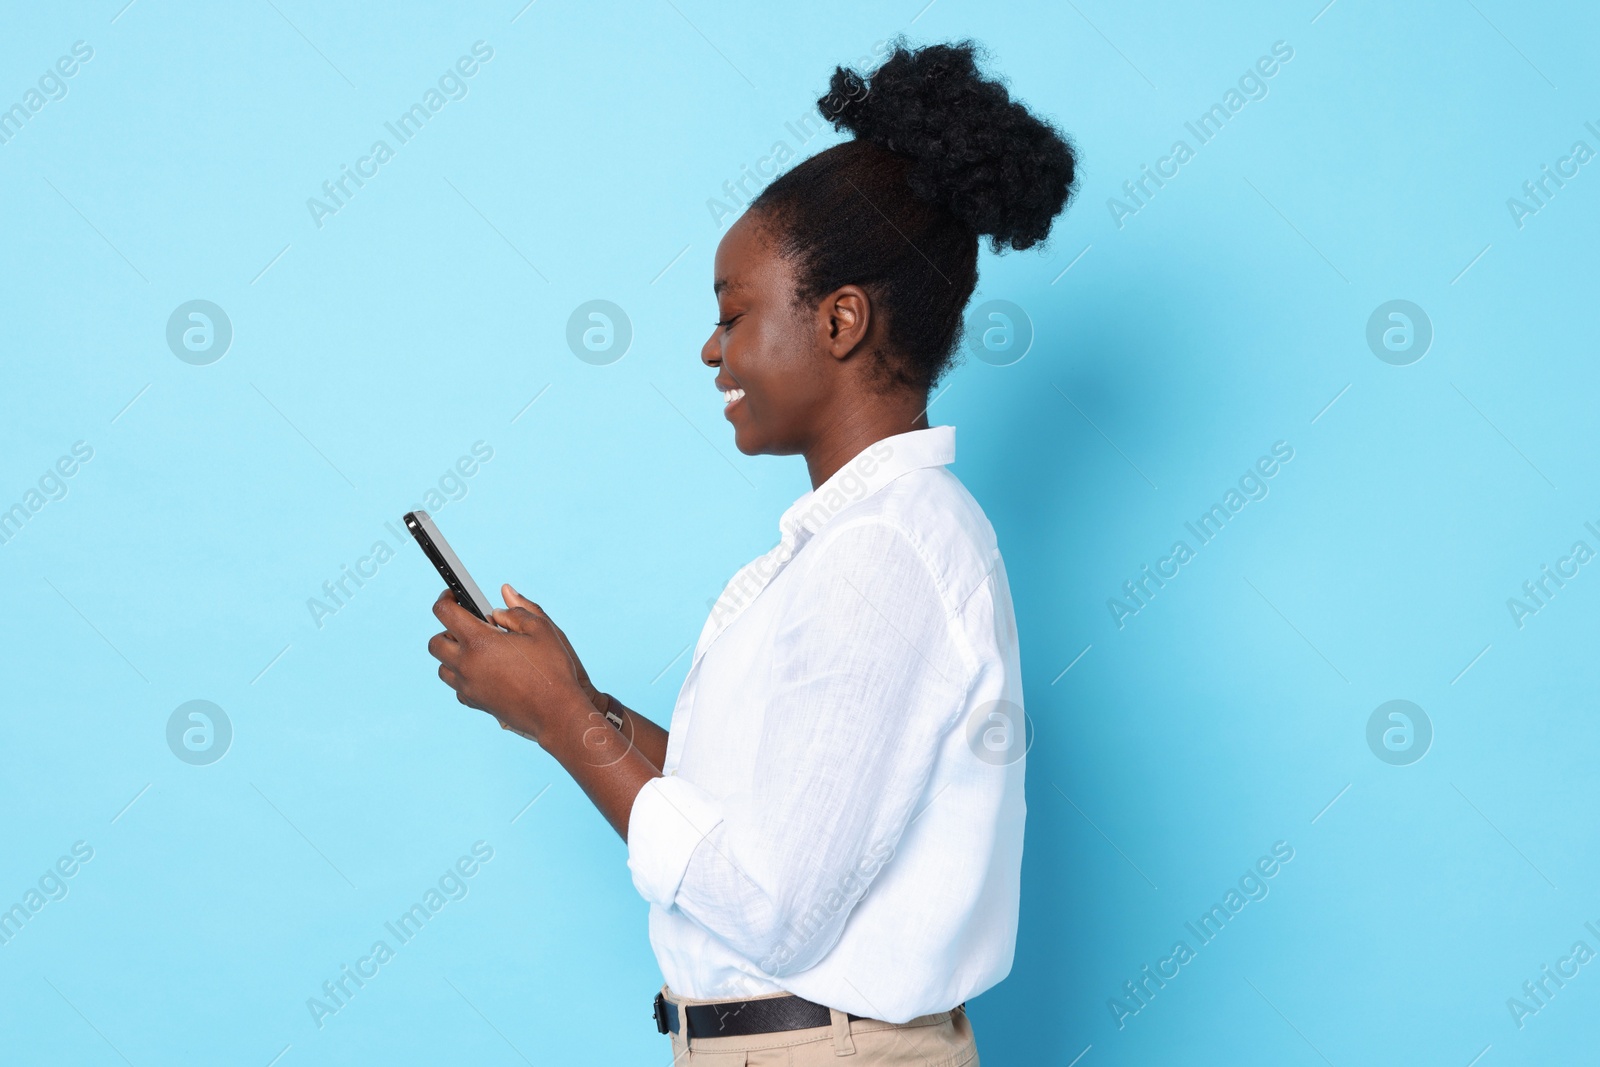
x,y
515,599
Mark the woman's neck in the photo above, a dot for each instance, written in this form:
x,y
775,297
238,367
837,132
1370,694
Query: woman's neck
x,y
860,427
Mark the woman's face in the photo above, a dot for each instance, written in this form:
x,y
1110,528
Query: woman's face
x,y
766,348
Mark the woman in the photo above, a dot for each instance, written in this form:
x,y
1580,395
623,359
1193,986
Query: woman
x,y
851,720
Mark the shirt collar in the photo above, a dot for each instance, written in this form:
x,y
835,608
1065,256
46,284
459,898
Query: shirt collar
x,y
872,468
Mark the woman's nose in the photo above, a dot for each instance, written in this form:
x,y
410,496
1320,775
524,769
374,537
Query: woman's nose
x,y
711,351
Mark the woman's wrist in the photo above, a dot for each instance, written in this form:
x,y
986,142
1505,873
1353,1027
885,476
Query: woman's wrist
x,y
579,731
598,701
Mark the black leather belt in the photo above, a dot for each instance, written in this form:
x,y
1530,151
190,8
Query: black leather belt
x,y
739,1018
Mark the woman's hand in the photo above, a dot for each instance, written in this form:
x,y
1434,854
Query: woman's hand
x,y
511,621
527,678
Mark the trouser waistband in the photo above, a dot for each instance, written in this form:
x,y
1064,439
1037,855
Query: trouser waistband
x,y
770,1013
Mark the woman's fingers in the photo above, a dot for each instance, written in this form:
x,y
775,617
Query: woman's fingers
x,y
523,616
458,620
515,599
443,647
519,620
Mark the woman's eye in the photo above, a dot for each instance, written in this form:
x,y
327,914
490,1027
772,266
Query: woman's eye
x,y
725,323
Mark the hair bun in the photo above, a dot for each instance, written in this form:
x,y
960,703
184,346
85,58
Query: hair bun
x,y
981,155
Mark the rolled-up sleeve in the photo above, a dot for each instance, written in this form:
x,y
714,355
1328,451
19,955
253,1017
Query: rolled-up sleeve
x,y
669,819
867,675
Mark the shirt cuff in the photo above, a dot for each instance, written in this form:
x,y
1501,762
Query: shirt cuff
x,y
668,820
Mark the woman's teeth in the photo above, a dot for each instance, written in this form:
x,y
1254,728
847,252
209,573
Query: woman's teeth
x,y
731,395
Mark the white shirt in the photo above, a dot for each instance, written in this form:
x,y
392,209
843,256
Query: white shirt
x,y
841,809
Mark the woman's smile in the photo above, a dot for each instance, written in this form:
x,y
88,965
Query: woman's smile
x,y
732,394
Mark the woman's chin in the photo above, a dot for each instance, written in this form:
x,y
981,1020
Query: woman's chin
x,y
750,440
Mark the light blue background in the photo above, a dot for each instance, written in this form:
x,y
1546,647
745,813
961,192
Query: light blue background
x,y
370,353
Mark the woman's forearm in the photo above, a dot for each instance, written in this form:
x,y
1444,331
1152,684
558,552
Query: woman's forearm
x,y
609,767
648,738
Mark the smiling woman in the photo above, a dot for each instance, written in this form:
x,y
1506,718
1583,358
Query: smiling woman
x,y
833,865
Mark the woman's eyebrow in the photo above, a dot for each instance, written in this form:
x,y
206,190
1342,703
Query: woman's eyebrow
x,y
724,285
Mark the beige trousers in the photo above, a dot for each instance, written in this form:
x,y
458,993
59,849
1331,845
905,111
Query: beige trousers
x,y
940,1040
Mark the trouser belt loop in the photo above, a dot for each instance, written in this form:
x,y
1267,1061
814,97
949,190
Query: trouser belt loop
x,y
843,1043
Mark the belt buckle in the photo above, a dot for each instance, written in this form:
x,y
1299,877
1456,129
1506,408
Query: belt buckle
x,y
661,1014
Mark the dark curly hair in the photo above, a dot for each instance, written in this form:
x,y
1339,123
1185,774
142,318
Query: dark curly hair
x,y
941,156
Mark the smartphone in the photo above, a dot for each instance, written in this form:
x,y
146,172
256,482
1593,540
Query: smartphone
x,y
438,550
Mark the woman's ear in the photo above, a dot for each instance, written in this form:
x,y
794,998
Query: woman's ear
x,y
844,319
